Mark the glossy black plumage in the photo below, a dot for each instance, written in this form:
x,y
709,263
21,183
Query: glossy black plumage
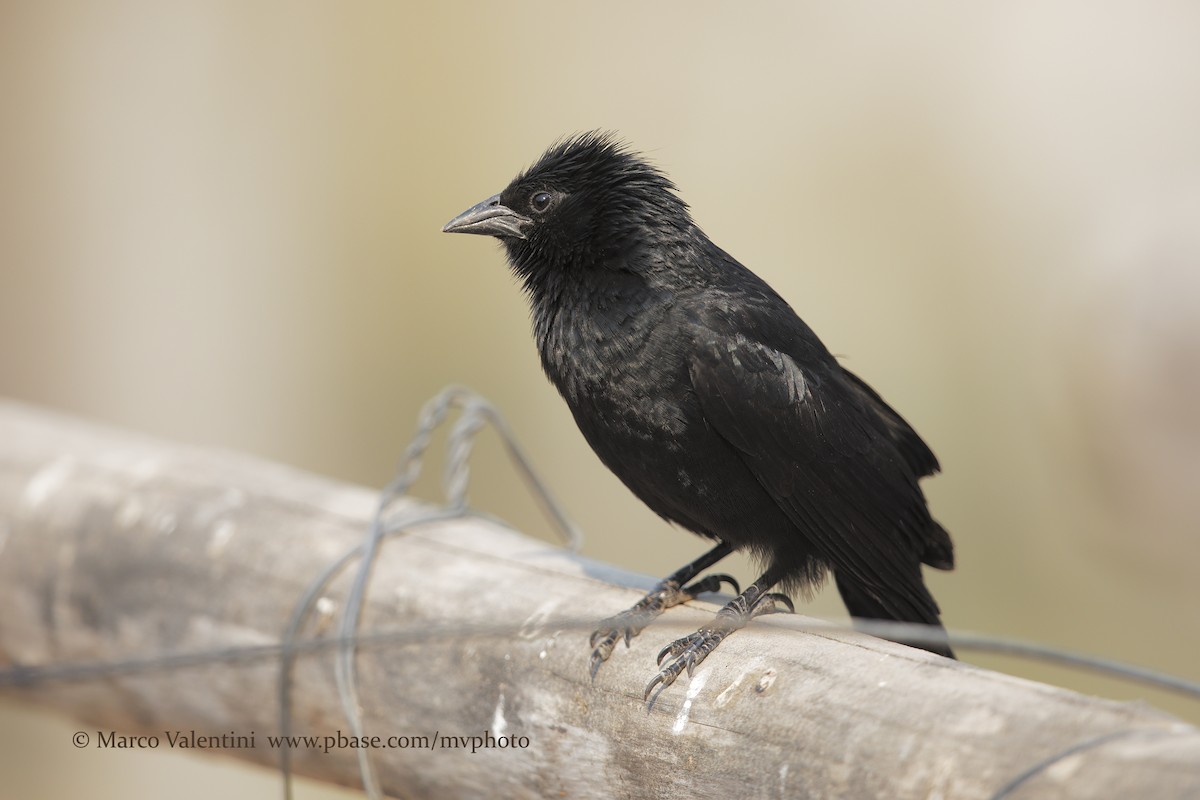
x,y
704,392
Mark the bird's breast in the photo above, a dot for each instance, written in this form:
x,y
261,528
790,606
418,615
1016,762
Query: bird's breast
x,y
625,370
629,389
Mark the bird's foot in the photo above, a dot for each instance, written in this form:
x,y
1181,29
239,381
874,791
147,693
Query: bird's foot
x,y
629,623
694,648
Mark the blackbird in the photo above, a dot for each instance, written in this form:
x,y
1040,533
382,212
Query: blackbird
x,y
704,392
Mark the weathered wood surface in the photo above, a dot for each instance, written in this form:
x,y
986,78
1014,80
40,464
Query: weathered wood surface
x,y
114,546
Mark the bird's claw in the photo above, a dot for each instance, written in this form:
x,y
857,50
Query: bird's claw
x,y
692,649
661,681
768,604
624,626
689,652
599,656
630,623
678,646
709,584
604,640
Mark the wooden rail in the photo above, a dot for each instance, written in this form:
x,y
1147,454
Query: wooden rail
x,y
117,547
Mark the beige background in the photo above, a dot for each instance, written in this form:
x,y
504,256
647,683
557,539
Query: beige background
x,y
219,223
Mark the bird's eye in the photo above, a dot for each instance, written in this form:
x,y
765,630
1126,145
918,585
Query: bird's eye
x,y
540,201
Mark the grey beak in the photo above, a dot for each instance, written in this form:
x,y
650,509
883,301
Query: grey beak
x,y
490,218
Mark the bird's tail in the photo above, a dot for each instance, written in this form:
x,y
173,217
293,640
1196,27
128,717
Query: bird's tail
x,y
864,604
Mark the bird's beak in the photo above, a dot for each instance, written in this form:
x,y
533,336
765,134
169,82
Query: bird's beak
x,y
491,218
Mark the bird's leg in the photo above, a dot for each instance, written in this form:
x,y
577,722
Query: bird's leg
x,y
694,648
670,591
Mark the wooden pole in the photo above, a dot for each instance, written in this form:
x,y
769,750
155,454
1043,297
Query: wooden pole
x,y
116,547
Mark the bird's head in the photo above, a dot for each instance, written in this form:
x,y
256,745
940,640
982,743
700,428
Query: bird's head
x,y
588,203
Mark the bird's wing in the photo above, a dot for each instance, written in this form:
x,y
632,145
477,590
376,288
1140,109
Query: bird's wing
x,y
918,455
827,459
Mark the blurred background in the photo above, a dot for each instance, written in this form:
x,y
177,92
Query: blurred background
x,y
220,224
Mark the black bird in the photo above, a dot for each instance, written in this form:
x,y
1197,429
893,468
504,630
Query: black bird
x,y
705,393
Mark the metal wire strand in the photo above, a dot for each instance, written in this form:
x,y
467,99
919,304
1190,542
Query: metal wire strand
x,y
476,413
